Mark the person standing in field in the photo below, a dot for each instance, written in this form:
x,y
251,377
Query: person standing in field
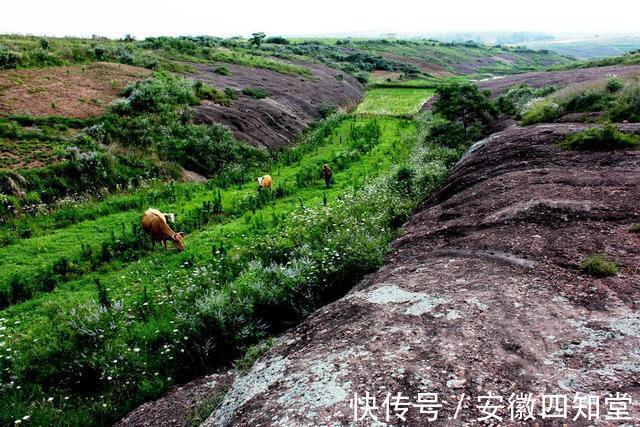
x,y
327,174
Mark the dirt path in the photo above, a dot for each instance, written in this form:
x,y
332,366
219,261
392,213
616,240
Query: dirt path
x,y
483,293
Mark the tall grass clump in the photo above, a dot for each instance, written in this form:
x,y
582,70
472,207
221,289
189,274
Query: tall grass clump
x,y
597,265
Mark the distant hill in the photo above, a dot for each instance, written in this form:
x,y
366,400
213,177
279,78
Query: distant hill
x,y
589,47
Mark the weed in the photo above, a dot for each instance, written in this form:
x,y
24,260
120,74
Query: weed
x,y
596,265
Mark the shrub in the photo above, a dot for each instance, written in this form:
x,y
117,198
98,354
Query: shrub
x,y
326,110
601,139
163,92
586,101
465,103
210,93
635,228
541,111
205,149
626,106
9,59
223,71
255,92
277,40
596,265
450,134
362,78
614,85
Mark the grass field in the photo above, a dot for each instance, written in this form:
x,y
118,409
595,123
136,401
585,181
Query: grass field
x,y
119,329
394,101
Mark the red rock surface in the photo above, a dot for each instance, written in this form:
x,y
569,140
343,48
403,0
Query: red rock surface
x,y
293,104
483,293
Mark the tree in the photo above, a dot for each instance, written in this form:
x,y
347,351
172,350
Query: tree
x,y
256,39
466,104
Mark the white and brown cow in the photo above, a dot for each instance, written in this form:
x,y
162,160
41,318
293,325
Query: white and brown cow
x,y
155,224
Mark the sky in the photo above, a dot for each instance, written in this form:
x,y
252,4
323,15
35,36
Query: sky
x,y
144,18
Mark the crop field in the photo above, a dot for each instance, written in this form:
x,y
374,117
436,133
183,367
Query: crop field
x,y
394,101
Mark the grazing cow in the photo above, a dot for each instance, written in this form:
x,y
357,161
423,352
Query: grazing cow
x,y
327,174
154,223
264,182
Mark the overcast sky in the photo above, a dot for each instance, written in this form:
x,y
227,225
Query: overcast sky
x,y
142,18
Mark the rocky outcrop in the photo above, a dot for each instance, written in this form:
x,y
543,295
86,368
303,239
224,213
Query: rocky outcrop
x,y
294,101
482,294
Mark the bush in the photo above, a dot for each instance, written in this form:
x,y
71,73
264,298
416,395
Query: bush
x,y
635,228
206,149
596,265
277,40
586,101
223,71
450,134
9,59
626,106
255,92
515,99
161,93
614,85
542,111
362,78
601,139
210,93
326,110
466,104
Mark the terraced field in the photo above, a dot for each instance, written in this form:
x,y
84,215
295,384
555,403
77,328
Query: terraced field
x,y
394,101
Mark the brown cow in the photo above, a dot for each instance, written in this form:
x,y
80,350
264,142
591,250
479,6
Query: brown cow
x,y
154,223
264,182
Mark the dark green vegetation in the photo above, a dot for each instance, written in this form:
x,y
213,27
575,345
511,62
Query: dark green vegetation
x,y
635,228
598,266
462,114
601,139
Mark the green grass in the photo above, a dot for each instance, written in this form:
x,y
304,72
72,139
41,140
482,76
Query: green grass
x,y
597,265
607,138
49,330
394,101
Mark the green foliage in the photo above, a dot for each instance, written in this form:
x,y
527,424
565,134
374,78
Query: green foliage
x,y
614,85
223,71
256,39
544,111
9,58
517,97
256,92
603,138
451,134
626,106
466,104
206,149
327,110
277,40
161,93
597,265
635,228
